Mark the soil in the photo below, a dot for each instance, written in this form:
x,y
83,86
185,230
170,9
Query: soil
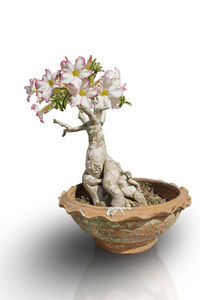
x,y
150,196
146,189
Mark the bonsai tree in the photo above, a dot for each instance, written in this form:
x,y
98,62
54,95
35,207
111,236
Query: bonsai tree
x,y
76,85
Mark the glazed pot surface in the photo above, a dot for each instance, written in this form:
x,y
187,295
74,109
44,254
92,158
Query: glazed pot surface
x,y
127,230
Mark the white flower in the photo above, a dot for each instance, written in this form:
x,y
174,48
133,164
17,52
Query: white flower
x,y
116,77
40,116
102,102
34,107
108,94
39,97
29,89
83,94
38,113
47,84
73,74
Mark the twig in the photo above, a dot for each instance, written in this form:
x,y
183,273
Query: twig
x,y
68,128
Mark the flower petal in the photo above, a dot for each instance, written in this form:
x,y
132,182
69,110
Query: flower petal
x,y
114,102
103,102
28,98
27,88
124,87
48,74
75,100
46,95
109,74
86,102
31,83
40,116
115,92
34,107
66,77
54,76
76,81
72,89
92,92
85,85
79,63
107,102
41,85
107,82
39,97
117,73
66,65
99,89
100,103
85,73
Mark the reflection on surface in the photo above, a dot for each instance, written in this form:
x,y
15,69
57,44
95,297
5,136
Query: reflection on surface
x,y
62,261
140,276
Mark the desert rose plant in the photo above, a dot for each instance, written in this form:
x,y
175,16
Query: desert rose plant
x,y
76,85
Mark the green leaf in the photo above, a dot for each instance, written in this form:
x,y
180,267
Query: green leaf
x,y
47,108
129,103
123,101
96,67
60,98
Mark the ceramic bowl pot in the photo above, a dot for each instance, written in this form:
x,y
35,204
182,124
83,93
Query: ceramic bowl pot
x,y
127,230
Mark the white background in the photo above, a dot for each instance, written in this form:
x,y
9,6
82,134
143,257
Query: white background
x,y
155,44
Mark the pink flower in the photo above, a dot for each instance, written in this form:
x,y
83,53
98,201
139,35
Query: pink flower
x,y
83,94
34,107
40,116
109,94
38,113
116,77
74,74
47,84
39,97
29,89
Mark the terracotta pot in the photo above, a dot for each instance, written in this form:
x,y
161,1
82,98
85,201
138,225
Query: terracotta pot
x,y
123,230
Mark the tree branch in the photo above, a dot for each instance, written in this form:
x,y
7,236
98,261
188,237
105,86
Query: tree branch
x,y
100,115
103,117
82,117
69,128
89,113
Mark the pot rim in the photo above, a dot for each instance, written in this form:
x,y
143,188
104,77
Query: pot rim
x,y
67,200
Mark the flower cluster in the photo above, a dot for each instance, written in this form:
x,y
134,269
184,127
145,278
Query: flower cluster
x,y
76,84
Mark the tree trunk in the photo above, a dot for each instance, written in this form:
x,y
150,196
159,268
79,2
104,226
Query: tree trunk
x,y
95,159
104,179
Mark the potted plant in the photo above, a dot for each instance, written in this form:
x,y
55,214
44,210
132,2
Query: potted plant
x,y
122,213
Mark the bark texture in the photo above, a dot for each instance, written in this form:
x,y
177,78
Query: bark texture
x,y
104,178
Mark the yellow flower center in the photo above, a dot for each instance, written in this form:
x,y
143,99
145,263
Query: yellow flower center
x,y
82,93
75,73
50,83
115,78
104,92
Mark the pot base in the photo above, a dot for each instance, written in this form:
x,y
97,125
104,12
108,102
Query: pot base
x,y
124,248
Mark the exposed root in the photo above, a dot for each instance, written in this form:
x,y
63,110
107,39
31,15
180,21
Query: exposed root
x,y
111,177
94,188
116,188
